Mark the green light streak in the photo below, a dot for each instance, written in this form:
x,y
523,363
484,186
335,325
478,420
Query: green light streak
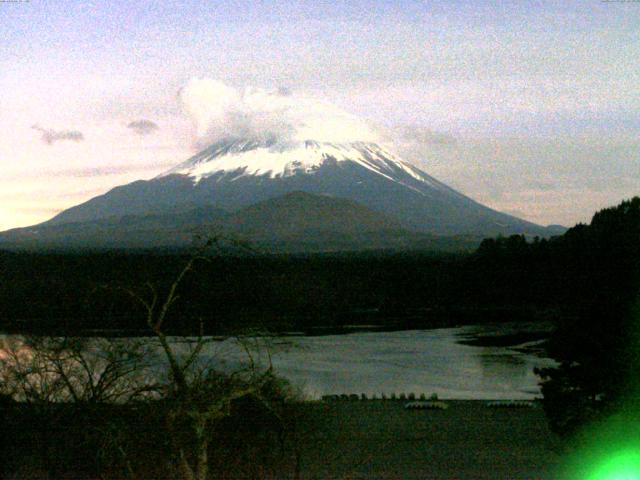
x,y
605,450
621,466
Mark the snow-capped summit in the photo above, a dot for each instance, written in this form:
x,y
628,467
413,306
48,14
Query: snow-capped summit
x,y
241,157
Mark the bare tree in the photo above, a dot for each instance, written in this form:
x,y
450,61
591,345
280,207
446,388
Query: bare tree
x,y
43,370
197,394
59,379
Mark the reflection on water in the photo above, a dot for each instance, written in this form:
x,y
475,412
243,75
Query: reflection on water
x,y
376,363
426,361
504,364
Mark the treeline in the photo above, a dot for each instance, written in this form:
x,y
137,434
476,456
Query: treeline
x,y
93,290
586,265
72,292
596,268
589,267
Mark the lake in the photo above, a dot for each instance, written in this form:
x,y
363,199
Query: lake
x,y
418,361
444,361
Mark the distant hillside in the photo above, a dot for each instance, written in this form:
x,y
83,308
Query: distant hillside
x,y
295,222
300,213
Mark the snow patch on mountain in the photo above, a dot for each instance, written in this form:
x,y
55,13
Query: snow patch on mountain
x,y
232,159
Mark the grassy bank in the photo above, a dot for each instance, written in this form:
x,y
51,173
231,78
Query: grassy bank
x,y
468,440
333,440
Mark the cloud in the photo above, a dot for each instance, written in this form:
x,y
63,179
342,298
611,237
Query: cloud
x,y
280,116
48,211
284,91
90,172
413,135
50,136
426,136
143,126
98,171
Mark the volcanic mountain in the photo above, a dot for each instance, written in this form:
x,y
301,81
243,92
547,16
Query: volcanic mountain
x,y
223,184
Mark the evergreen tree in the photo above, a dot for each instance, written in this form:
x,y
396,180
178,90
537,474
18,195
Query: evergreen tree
x,y
598,348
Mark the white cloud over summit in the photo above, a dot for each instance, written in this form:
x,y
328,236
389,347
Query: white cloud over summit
x,y
219,111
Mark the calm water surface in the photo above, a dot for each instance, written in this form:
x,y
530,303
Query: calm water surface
x,y
417,361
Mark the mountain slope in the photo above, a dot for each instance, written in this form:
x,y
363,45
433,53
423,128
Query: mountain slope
x,y
295,222
153,230
237,173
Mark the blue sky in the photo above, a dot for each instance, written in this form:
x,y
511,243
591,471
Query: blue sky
x,y
529,76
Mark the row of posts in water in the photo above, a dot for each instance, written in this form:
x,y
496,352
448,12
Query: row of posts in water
x,y
393,396
422,402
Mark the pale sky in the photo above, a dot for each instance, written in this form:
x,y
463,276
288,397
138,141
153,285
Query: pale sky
x,y
531,107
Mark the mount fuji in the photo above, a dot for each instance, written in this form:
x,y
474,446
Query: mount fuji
x,y
270,189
